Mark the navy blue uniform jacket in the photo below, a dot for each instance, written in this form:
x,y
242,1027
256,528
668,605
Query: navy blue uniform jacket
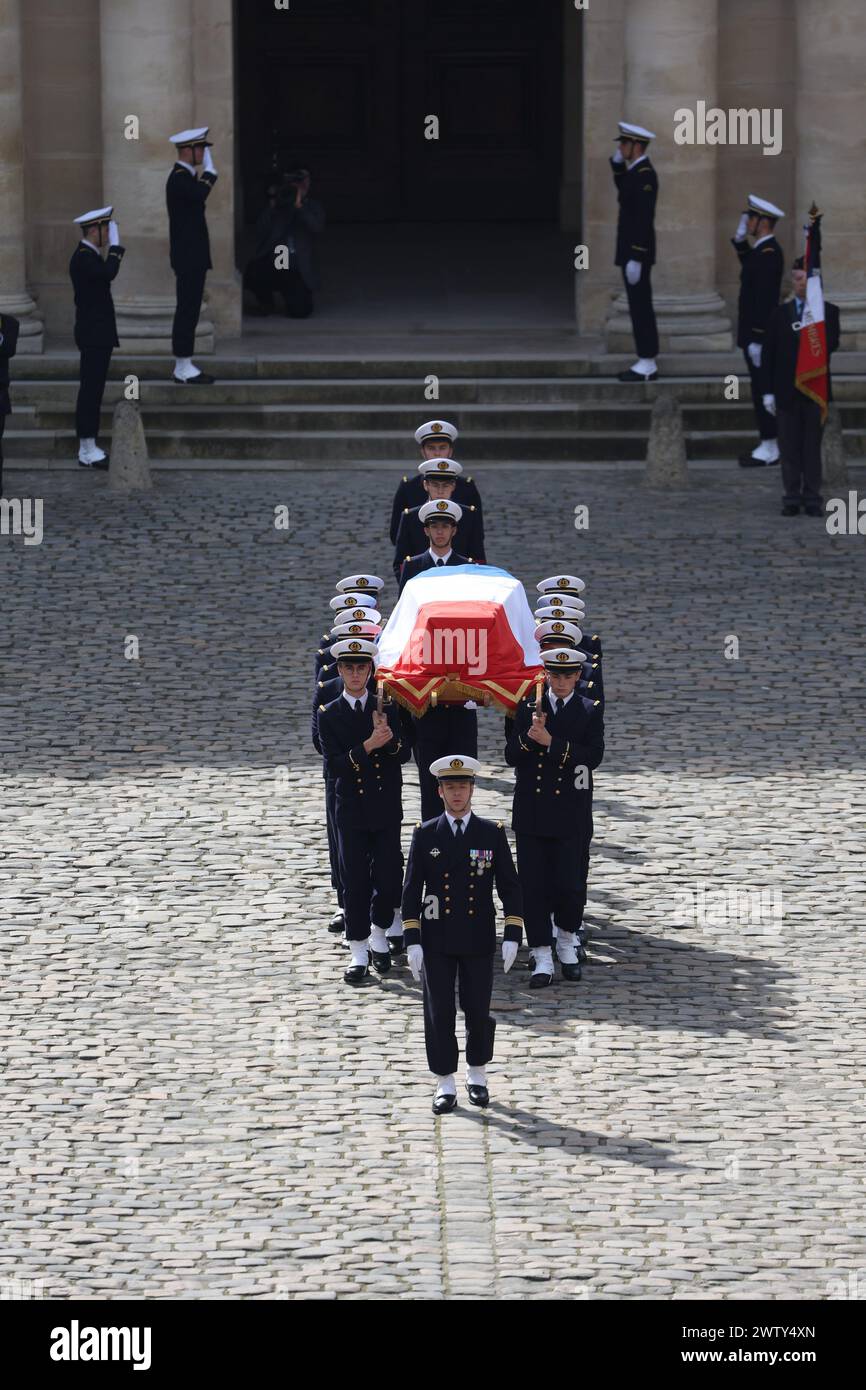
x,y
447,901
368,785
637,190
546,800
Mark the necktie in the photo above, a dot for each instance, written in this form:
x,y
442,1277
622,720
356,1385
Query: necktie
x,y
559,704
440,562
359,708
458,829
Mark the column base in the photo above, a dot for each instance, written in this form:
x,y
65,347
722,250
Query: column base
x,y
686,323
145,328
852,321
31,333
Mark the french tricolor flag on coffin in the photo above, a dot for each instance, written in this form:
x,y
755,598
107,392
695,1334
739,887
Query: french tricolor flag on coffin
x,y
460,633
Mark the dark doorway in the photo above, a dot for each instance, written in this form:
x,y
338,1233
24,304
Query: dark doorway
x,y
346,86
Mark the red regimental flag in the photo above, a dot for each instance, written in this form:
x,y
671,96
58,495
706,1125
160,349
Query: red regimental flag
x,y
811,375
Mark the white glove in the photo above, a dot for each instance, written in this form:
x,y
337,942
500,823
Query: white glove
x,y
770,404
207,161
415,956
113,234
742,228
754,351
618,156
632,272
509,955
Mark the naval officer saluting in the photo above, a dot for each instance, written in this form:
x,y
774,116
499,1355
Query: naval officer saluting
x,y
186,192
95,324
454,861
761,267
637,189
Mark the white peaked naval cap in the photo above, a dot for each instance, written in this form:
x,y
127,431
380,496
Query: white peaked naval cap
x,y
441,507
97,215
354,583
558,627
196,135
355,647
440,468
757,204
564,659
560,584
436,429
627,131
455,765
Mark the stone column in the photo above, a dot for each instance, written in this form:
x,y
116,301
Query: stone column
x,y
148,73
829,117
670,53
14,297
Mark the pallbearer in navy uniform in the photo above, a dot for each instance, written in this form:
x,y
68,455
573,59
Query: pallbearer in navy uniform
x,y
328,689
450,726
364,751
436,438
761,268
186,192
555,749
637,189
450,924
439,482
440,521
95,324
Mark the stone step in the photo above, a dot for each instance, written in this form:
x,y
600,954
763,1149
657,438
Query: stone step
x,y
313,446
442,359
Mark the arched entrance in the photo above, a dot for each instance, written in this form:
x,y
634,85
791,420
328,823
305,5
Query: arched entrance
x,y
469,228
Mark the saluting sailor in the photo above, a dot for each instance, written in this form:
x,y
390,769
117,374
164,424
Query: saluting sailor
x,y
364,750
95,323
436,438
637,189
449,920
761,268
555,748
186,192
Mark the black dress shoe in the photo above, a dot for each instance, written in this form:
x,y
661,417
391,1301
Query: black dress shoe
x,y
790,509
746,461
99,463
636,376
337,923
381,961
478,1095
356,974
396,945
540,980
812,510
203,379
443,1105
571,972
583,934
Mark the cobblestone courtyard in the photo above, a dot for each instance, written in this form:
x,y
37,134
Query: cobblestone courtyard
x,y
195,1105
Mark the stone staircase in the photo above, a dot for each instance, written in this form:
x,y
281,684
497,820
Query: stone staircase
x,y
333,411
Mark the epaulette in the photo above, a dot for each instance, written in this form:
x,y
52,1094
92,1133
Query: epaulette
x,y
320,652
406,511
469,479
417,825
321,707
598,702
408,557
472,506
321,685
405,479
499,825
470,559
589,686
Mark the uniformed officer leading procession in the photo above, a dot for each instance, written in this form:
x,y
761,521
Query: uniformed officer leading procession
x,y
437,916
